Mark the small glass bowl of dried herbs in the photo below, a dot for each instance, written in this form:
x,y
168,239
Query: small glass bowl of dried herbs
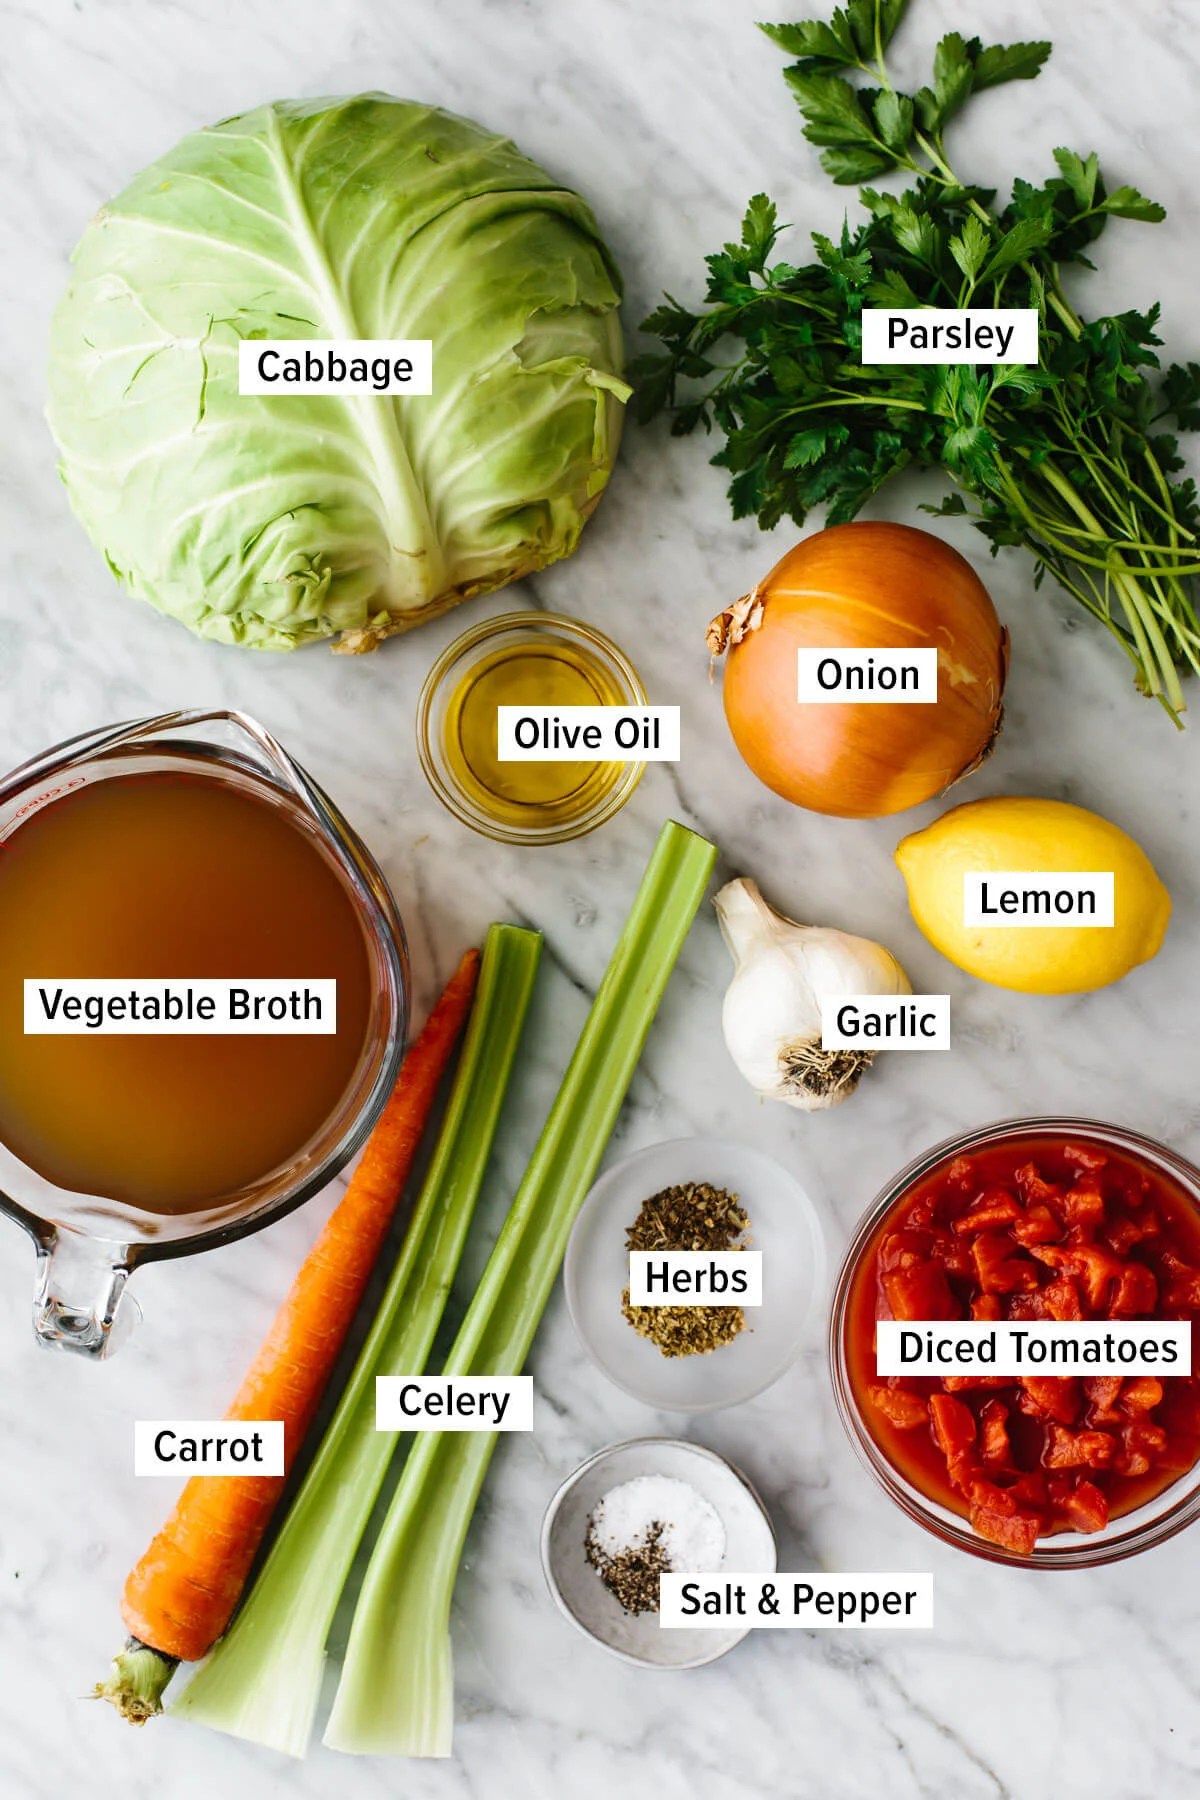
x,y
693,1215
695,1194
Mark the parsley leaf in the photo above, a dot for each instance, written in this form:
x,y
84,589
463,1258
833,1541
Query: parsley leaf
x,y
1127,203
1009,62
969,247
1079,176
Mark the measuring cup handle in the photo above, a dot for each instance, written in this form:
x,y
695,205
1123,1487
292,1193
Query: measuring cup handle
x,y
80,1303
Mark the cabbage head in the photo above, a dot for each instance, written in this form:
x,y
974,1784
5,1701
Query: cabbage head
x,y
272,521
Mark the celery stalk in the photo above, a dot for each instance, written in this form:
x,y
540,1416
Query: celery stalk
x,y
263,1680
396,1693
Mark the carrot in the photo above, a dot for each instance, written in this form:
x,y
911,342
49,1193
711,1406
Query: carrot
x,y
181,1595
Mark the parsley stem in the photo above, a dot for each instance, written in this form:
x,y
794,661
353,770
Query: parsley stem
x,y
1157,571
1124,473
1174,529
1154,657
1141,617
880,68
837,397
1094,533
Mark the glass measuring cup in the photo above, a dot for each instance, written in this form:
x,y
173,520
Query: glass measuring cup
x,y
88,1246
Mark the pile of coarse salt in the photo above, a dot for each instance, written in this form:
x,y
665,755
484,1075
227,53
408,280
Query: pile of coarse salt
x,y
692,1536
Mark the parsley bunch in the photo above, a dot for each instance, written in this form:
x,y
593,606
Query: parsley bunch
x,y
1074,459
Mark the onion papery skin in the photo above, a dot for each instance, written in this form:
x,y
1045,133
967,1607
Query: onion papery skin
x,y
866,586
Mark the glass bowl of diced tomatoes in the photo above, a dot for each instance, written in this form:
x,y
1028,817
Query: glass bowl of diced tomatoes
x,y
1029,1219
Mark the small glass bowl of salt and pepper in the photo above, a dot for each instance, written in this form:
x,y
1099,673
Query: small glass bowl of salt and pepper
x,y
639,1510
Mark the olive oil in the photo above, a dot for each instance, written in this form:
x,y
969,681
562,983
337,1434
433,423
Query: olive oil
x,y
528,671
172,875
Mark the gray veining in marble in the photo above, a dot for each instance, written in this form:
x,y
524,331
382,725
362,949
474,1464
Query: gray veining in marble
x,y
668,115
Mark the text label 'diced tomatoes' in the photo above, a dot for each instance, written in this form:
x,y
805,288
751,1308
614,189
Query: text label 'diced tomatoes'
x,y
1035,1228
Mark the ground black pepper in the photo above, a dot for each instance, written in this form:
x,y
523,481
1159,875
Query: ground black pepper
x,y
631,1575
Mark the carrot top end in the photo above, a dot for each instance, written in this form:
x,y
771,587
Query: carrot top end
x,y
137,1682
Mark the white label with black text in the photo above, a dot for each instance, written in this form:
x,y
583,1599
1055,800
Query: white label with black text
x,y
374,366
208,1447
936,334
197,1007
695,1277
885,1021
454,1402
588,733
1039,897
800,1602
1042,1346
866,677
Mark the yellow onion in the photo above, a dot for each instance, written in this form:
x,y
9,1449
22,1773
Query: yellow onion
x,y
865,586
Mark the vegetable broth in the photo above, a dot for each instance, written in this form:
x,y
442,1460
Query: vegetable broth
x,y
169,875
528,672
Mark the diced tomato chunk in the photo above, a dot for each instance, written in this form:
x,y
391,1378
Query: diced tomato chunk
x,y
923,1213
954,1431
987,1306
1124,1233
1083,1204
953,1254
1093,1267
965,1384
994,1209
1051,1396
904,1410
1141,1445
1136,1292
1030,1489
1099,1270
993,1434
1183,1290
1038,1226
1080,1502
1061,1299
999,1271
960,1175
1102,1392
1078,1449
1086,1156
1017,1531
987,1494
921,1292
904,1250
1033,1188
1142,1393
953,1424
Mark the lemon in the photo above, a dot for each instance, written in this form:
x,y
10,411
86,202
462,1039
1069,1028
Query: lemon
x,y
1005,835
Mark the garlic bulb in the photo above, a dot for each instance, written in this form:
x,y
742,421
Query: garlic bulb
x,y
772,1011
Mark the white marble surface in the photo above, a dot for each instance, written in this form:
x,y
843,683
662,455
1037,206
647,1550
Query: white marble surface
x,y
668,115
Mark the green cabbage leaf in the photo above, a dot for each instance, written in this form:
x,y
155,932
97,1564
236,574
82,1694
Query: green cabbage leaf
x,y
275,520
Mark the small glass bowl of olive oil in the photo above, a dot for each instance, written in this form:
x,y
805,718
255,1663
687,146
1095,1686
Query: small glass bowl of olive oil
x,y
523,659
